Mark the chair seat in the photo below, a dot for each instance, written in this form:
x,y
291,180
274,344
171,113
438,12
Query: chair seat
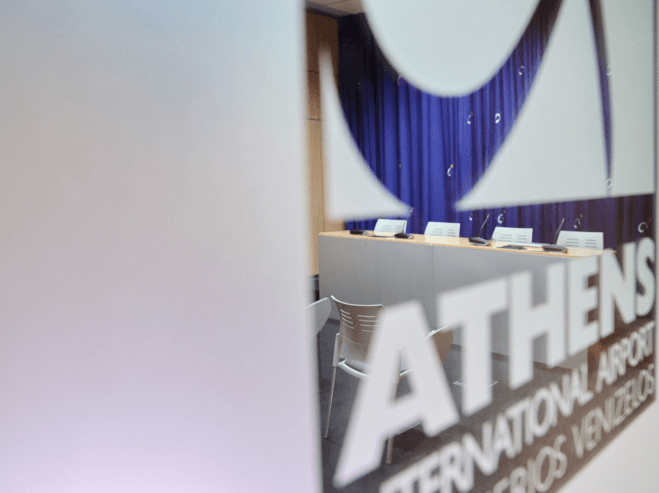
x,y
358,366
360,369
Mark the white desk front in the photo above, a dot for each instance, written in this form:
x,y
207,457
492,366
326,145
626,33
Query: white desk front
x,y
363,269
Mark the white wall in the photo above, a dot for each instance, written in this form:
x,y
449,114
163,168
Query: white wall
x,y
152,339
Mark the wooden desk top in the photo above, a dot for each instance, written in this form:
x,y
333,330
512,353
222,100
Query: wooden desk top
x,y
464,243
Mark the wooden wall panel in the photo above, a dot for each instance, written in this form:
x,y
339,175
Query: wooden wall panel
x,y
312,42
313,85
316,197
328,38
322,32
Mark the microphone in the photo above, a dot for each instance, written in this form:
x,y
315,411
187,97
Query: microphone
x,y
554,247
480,232
356,231
477,240
402,234
558,230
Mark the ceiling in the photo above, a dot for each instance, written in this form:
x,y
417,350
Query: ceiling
x,y
336,7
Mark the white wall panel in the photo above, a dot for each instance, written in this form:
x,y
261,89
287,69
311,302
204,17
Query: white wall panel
x,y
152,338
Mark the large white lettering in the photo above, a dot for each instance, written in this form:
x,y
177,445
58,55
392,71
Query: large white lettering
x,y
472,309
528,322
403,330
617,286
645,301
581,334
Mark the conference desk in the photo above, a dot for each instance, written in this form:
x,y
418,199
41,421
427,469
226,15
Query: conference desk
x,y
364,269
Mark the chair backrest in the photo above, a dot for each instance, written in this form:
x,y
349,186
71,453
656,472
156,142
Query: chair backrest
x,y
357,325
320,312
443,229
581,239
391,226
513,235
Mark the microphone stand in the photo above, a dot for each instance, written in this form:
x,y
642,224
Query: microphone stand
x,y
554,247
477,240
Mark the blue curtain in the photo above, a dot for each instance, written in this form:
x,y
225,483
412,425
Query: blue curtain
x,y
430,151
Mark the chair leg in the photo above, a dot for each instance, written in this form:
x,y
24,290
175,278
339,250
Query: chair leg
x,y
329,411
390,449
318,360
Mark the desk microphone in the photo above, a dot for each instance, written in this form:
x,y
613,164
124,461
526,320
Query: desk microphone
x,y
356,231
477,240
554,247
402,234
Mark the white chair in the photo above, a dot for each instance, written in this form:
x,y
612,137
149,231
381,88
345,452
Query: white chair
x,y
357,325
390,226
513,235
581,239
442,229
320,312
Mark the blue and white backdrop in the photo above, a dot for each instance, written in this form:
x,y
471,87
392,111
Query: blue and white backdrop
x,y
543,139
